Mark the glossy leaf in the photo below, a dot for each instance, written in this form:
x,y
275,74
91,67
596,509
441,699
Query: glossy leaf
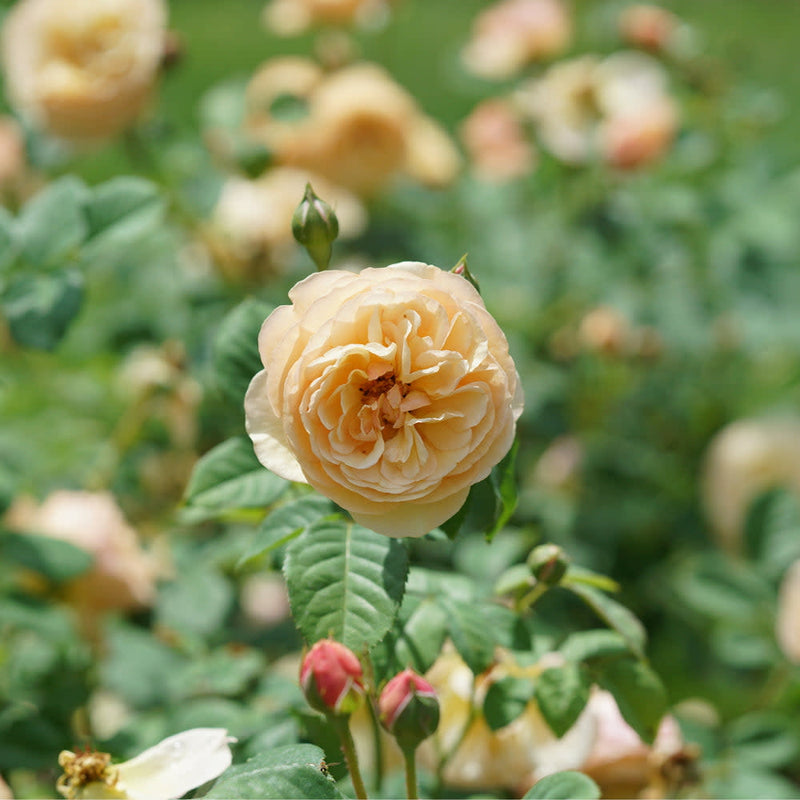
x,y
506,700
235,353
345,581
567,785
230,477
55,559
288,772
562,693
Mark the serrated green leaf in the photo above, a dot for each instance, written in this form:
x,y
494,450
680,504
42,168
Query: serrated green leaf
x,y
345,581
284,523
614,614
772,530
286,772
471,635
39,308
639,693
225,672
235,352
420,640
568,785
505,700
230,477
119,198
590,645
490,503
562,693
53,225
55,559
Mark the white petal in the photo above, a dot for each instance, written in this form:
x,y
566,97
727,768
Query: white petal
x,y
266,431
177,764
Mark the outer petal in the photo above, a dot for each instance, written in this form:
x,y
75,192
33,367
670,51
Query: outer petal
x,y
177,764
265,429
411,519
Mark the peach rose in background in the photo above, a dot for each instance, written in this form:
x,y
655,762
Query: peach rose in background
x,y
513,757
620,762
649,27
745,459
787,623
391,391
123,575
250,233
355,126
82,69
617,109
293,17
496,142
511,34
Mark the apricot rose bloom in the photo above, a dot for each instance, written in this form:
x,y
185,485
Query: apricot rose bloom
x,y
390,391
82,69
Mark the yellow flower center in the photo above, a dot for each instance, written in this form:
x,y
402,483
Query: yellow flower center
x,y
82,768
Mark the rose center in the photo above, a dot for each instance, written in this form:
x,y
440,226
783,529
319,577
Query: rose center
x,y
372,390
82,768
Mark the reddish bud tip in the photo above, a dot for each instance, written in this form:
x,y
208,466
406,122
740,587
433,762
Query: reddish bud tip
x,y
330,677
409,709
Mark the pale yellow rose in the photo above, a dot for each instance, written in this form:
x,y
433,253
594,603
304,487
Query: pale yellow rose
x,y
787,623
390,391
745,459
292,17
513,757
82,69
123,575
355,126
616,109
510,34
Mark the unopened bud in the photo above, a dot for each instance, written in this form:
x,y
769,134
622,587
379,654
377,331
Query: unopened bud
x,y
330,677
462,269
315,226
409,709
548,563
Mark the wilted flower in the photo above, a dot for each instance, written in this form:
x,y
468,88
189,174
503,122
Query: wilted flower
x,y
620,762
82,69
163,772
495,141
293,17
356,126
787,623
409,709
616,109
331,678
513,757
510,34
745,459
123,575
391,392
251,228
648,26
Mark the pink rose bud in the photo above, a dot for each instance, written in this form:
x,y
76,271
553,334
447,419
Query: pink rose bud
x,y
331,678
409,709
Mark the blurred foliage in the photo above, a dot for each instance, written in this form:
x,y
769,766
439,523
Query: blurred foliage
x,y
693,264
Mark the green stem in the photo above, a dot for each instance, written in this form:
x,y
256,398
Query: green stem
x,y
377,782
342,727
532,597
409,756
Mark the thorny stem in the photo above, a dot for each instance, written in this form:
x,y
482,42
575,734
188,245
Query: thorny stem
x,y
342,726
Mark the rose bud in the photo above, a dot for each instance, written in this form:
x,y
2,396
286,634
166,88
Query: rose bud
x,y
409,709
316,227
330,677
548,563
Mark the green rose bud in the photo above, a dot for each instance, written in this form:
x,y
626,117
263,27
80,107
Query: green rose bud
x,y
315,226
548,563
